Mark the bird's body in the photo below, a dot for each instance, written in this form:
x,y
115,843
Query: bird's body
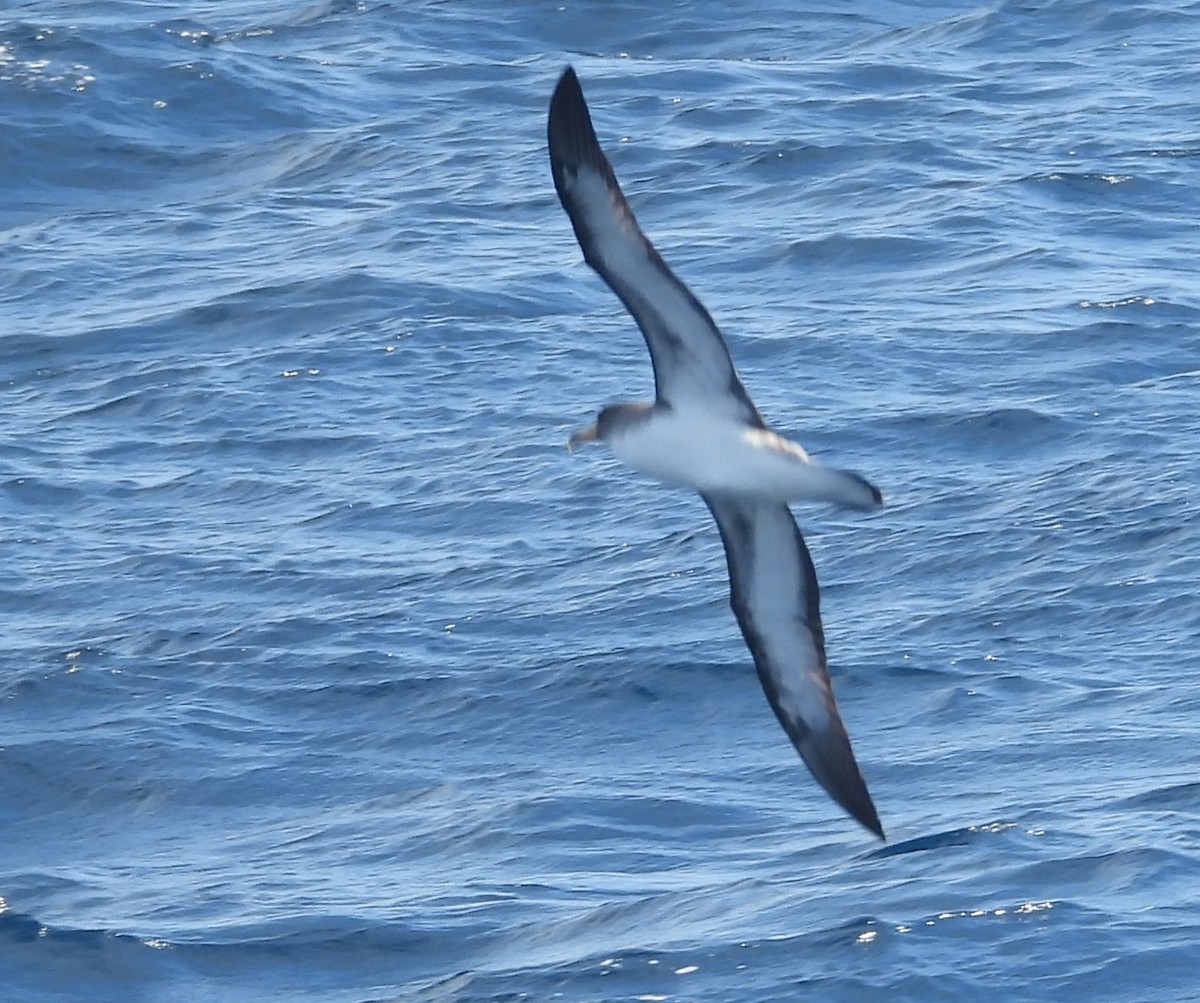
x,y
702,431
713,454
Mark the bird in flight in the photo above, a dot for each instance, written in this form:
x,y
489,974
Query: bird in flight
x,y
703,431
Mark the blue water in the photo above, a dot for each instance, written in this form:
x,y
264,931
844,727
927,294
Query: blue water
x,y
328,674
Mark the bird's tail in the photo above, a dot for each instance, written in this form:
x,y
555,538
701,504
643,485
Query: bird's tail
x,y
847,489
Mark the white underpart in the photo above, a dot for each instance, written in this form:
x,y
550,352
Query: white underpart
x,y
701,450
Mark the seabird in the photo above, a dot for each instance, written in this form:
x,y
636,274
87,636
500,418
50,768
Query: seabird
x,y
703,431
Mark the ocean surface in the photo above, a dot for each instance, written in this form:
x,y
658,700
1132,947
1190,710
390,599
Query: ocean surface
x,y
329,675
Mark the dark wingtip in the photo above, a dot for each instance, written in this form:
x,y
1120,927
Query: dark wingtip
x,y
569,132
872,823
862,809
570,136
831,761
566,92
568,76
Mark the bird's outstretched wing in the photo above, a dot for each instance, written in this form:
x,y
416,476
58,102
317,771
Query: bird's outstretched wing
x,y
691,360
775,597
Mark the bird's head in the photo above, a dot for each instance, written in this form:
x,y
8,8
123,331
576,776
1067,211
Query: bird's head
x,y
612,421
